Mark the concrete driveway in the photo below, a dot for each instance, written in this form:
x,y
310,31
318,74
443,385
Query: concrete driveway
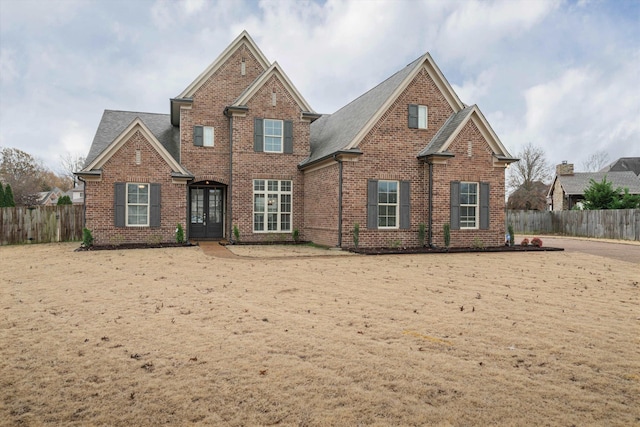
x,y
624,251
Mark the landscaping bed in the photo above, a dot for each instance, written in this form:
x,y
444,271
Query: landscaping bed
x,y
439,250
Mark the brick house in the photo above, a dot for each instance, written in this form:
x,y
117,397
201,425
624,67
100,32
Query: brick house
x,y
242,148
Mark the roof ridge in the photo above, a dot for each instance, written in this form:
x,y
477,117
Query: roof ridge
x,y
135,112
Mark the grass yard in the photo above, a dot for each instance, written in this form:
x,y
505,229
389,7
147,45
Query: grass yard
x,y
177,337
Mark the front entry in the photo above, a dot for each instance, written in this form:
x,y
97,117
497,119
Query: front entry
x,y
206,213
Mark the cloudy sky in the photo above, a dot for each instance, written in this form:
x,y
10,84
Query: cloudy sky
x,y
563,75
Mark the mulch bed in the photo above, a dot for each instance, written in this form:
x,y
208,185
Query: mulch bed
x,y
133,246
438,250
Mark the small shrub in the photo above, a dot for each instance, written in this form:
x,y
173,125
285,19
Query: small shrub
x,y
477,243
236,233
512,235
356,235
421,234
65,200
296,235
525,242
179,234
87,238
447,234
536,242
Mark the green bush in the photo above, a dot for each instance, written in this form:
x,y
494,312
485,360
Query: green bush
x,y
512,236
296,235
87,238
421,234
236,233
179,234
356,235
447,234
65,200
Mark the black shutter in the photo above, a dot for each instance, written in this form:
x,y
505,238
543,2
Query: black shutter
x,y
372,204
119,203
198,136
455,205
154,201
484,206
413,116
258,135
405,205
288,137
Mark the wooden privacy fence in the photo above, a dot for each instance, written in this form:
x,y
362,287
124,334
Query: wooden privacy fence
x,y
41,224
621,224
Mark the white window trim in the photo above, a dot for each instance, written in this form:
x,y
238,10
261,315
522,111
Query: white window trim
x,y
127,204
265,135
425,111
397,205
265,193
204,136
476,205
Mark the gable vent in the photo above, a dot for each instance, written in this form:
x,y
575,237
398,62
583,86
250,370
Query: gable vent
x,y
243,68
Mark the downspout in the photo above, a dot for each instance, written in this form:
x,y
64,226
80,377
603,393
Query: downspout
x,y
430,238
335,157
230,188
84,203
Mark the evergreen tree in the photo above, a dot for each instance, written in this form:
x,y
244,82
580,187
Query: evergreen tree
x,y
65,200
1,196
601,195
8,197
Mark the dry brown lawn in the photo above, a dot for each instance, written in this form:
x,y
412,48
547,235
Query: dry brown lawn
x,y
174,336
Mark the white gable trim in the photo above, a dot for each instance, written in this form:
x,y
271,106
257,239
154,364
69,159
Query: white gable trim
x,y
274,70
136,125
243,38
483,126
436,75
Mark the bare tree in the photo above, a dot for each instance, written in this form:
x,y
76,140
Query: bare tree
x,y
23,172
70,163
595,162
533,167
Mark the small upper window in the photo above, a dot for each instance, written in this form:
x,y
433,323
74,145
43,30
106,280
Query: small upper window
x,y
418,116
422,116
207,140
272,136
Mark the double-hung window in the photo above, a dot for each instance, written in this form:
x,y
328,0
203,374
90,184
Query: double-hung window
x,y
272,136
203,136
387,204
137,204
271,205
468,205
418,116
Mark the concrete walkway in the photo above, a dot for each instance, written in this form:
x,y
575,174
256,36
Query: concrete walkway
x,y
620,250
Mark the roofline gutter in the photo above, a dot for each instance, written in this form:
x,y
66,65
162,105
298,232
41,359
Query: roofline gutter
x,y
303,166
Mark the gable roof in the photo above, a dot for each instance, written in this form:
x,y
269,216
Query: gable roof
x,y
273,70
447,132
113,123
116,127
243,39
578,182
624,164
347,127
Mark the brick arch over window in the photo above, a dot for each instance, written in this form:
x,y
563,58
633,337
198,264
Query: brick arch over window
x,y
212,178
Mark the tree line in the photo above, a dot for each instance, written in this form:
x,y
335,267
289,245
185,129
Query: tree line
x,y
22,177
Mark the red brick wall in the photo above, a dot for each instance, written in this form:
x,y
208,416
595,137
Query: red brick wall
x,y
249,165
390,151
321,205
122,167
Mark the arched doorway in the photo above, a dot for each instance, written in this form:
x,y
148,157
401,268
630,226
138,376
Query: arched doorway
x,y
206,210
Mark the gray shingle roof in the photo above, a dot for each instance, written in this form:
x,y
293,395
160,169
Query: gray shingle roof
x,y
445,131
624,164
332,133
578,182
113,123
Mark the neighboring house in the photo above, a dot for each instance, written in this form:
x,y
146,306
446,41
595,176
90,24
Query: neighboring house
x,y
241,148
76,194
49,198
568,187
624,164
